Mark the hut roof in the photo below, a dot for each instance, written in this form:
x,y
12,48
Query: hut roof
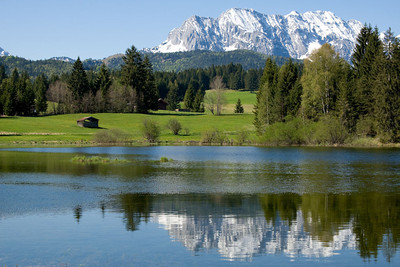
x,y
90,118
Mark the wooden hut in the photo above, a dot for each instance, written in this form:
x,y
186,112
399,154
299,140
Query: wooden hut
x,y
162,104
89,122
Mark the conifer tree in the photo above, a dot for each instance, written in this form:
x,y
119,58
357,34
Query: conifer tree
x,y
263,109
198,101
137,75
238,107
40,87
189,98
78,82
172,96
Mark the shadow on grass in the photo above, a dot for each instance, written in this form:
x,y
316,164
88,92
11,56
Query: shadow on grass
x,y
2,117
177,114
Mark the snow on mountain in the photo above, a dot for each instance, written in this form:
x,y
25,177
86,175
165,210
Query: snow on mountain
x,y
295,34
65,59
4,53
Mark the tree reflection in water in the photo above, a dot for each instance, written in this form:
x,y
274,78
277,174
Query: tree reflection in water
x,y
243,226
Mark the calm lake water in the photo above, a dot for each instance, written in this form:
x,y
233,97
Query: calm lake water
x,y
209,206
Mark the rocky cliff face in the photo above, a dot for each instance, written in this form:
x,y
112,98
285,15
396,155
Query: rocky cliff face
x,y
293,35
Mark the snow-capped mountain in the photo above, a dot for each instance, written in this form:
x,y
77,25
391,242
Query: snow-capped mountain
x,y
65,59
295,35
3,53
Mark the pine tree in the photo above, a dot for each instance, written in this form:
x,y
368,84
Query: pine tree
x,y
40,87
103,83
78,82
189,98
150,92
239,107
265,96
368,47
198,101
172,96
287,77
137,75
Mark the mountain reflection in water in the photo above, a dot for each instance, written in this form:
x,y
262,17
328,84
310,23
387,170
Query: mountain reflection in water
x,y
243,226
264,205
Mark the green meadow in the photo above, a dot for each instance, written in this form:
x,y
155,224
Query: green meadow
x,y
63,129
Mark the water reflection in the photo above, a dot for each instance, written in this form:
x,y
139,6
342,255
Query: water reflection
x,y
292,203
240,227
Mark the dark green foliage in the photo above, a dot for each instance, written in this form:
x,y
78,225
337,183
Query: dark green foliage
x,y
172,97
180,61
188,100
40,87
35,68
333,99
103,83
137,75
198,105
78,81
263,109
239,107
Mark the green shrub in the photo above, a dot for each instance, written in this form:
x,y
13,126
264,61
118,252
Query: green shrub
x,y
291,132
242,136
330,131
110,136
214,137
366,127
150,130
174,125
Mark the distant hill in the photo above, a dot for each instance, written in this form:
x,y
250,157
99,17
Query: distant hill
x,y
35,67
161,61
200,59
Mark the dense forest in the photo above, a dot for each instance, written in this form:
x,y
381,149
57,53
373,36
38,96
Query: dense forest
x,y
328,100
323,100
105,90
171,62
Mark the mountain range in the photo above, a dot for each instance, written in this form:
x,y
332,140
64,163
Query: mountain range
x,y
293,35
241,36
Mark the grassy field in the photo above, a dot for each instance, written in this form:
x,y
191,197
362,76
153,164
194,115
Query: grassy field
x,y
62,129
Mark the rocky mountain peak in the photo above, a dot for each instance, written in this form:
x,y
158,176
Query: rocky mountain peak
x,y
293,35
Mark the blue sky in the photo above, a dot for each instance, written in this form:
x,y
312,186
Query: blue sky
x,y
39,29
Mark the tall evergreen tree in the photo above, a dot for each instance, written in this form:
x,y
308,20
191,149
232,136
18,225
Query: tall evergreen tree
x,y
198,105
172,96
137,75
287,77
263,109
103,83
78,82
40,87
189,98
386,89
150,91
367,48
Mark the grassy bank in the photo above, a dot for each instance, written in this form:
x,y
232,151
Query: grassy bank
x,y
63,128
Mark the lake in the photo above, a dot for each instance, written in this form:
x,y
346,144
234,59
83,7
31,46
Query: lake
x,y
207,205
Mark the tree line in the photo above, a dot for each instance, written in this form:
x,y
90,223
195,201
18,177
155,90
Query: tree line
x,y
133,88
327,99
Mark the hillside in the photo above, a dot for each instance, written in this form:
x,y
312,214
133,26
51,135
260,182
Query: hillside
x,y
161,62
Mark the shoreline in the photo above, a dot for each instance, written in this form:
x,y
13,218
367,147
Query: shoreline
x,y
16,144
